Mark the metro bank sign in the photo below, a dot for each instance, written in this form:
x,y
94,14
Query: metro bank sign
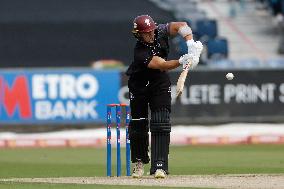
x,y
73,96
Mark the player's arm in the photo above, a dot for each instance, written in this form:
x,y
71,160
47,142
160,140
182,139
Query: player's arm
x,y
161,64
180,28
185,31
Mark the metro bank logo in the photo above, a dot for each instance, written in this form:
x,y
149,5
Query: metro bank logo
x,y
15,97
56,96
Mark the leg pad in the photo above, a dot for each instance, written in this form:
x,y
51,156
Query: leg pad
x,y
160,139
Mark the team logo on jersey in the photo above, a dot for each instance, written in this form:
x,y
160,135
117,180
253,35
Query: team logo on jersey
x,y
147,21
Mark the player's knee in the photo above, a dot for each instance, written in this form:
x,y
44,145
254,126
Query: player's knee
x,y
160,120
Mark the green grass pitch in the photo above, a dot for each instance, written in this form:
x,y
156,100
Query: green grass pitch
x,y
88,162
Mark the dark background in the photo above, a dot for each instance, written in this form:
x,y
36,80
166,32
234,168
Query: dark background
x,y
52,33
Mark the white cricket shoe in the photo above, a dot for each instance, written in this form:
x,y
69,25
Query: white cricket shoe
x,y
138,170
160,173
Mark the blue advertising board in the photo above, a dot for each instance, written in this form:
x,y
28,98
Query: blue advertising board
x,y
56,96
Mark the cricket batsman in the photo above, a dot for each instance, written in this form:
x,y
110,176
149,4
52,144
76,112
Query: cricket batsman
x,y
149,86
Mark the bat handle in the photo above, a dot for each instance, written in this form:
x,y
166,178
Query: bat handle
x,y
187,66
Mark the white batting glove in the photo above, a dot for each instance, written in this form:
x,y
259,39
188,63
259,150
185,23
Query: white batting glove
x,y
190,46
197,49
186,60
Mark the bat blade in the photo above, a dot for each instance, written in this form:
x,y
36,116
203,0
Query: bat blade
x,y
180,82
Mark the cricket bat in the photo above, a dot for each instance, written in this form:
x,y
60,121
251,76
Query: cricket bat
x,y
181,80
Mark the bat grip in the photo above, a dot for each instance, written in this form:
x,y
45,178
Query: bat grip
x,y
187,66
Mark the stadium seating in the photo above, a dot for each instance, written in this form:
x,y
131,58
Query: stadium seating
x,y
275,63
248,63
204,24
206,29
222,63
192,17
217,48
